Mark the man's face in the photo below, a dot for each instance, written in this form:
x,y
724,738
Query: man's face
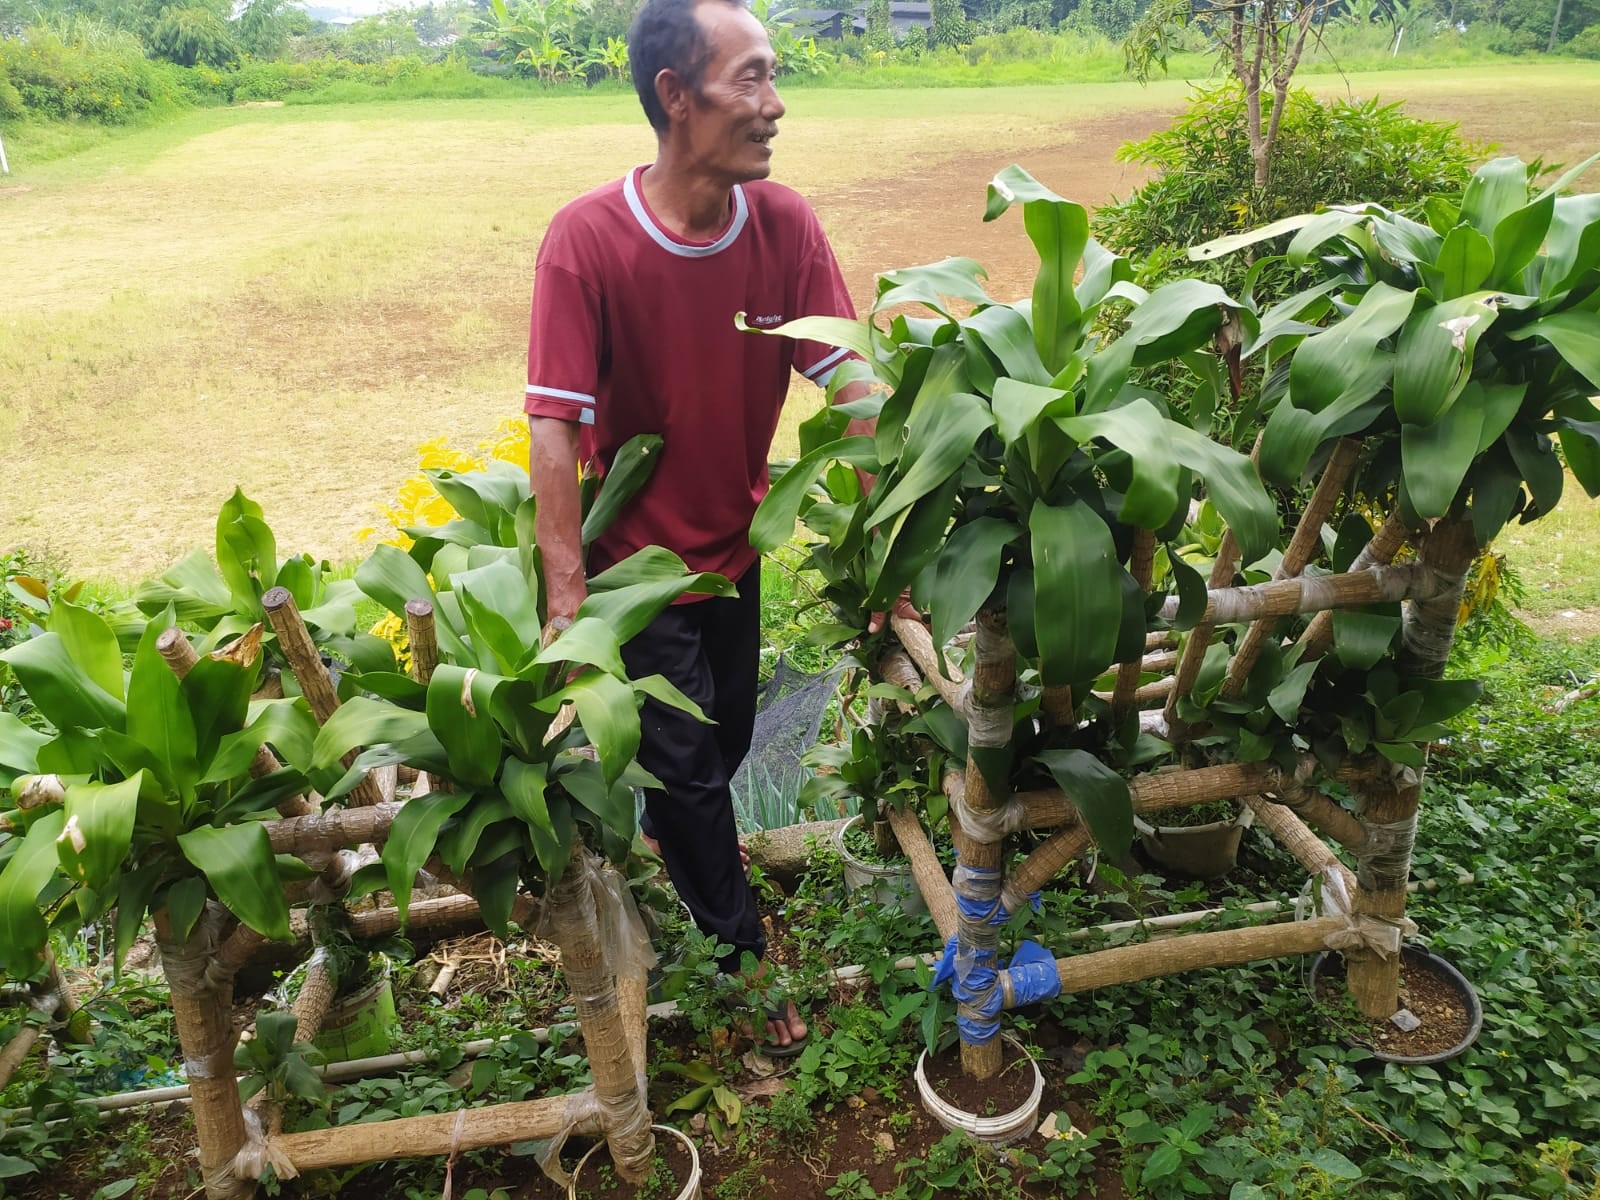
x,y
733,115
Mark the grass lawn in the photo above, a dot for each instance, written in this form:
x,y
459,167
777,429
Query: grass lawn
x,y
291,299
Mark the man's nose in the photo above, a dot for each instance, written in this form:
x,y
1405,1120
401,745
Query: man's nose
x,y
772,106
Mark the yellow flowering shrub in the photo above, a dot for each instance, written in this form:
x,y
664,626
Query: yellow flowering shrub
x,y
418,502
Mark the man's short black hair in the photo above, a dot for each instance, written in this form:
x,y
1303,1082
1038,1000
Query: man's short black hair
x,y
666,35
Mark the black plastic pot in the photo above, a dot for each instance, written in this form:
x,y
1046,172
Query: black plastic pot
x,y
1332,963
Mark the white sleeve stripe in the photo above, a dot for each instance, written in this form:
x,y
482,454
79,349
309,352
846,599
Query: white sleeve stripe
x,y
832,360
558,394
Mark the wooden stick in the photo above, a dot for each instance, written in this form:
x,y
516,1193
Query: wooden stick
x,y
423,639
25,1039
1149,793
1150,695
58,985
334,829
1194,648
180,656
1170,956
1283,597
1298,839
305,660
204,1018
1322,813
1307,536
918,642
1378,552
1427,633
925,869
316,996
440,1133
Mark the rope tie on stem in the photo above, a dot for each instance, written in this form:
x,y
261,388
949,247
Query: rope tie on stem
x,y
1362,931
581,1114
990,824
260,1152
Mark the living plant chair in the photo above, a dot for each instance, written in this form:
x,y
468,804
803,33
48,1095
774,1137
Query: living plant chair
x,y
1029,478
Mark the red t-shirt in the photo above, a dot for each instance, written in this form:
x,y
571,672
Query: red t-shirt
x,y
632,332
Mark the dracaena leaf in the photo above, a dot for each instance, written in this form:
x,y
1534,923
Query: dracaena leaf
x,y
238,864
99,830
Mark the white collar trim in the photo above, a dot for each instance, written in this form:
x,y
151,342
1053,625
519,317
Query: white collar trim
x,y
741,213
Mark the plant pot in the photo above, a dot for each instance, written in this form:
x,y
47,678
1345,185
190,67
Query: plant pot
x,y
360,1025
1207,851
1331,964
996,1131
891,887
691,1189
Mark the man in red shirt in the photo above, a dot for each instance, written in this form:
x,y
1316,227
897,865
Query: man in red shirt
x,y
635,291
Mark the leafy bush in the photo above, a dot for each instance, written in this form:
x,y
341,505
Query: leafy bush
x,y
1585,45
10,99
110,81
1347,151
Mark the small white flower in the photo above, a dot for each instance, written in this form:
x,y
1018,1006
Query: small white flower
x,y
1458,327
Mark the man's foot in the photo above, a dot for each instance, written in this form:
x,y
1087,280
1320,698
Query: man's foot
x,y
786,1032
655,848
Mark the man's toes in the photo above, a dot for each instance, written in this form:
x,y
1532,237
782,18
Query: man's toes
x,y
778,1033
797,1027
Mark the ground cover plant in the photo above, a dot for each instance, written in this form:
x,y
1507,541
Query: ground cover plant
x,y
1286,1111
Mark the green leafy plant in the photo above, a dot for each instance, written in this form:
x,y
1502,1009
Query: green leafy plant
x,y
274,1062
1014,461
139,797
220,596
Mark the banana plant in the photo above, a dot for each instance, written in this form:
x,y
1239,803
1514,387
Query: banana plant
x,y
1015,457
1466,347
138,795
221,596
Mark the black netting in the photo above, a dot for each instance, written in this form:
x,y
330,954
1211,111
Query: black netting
x,y
789,712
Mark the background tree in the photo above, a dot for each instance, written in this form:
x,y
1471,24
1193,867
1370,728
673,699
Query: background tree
x,y
949,23
193,35
1260,42
263,27
880,26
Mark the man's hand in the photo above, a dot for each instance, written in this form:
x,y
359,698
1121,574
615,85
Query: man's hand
x,y
902,608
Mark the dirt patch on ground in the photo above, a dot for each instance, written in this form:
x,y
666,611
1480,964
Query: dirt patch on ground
x,y
884,222
1573,624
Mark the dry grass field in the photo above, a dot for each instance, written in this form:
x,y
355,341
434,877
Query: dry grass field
x,y
292,299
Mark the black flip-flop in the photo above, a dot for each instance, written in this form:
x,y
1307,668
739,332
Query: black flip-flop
x,y
773,1049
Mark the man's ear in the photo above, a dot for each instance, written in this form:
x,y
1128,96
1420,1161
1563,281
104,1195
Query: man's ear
x,y
673,94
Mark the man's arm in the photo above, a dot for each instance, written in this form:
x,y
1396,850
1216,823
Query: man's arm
x,y
558,523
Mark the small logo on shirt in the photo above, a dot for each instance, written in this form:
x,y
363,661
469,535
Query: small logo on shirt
x,y
775,319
